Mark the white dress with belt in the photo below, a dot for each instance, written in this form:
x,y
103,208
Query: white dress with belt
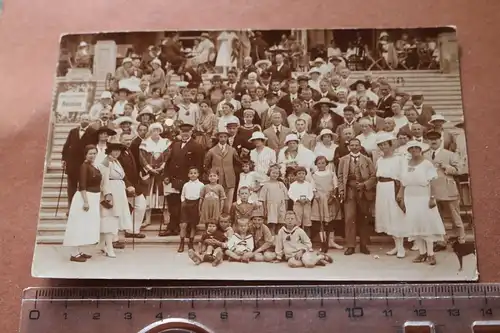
x,y
118,217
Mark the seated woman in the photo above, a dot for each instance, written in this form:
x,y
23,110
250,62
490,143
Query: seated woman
x,y
294,155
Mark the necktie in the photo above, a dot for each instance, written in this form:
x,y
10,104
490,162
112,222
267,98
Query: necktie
x,y
373,121
433,155
277,131
355,158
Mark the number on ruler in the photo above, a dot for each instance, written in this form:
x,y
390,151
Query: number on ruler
x,y
65,316
256,314
34,315
224,315
96,316
127,316
159,316
454,312
354,312
487,312
387,313
322,314
192,315
420,312
289,314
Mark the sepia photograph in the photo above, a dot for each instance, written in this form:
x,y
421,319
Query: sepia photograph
x,y
298,155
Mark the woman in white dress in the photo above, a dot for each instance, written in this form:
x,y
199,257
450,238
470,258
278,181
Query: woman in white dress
x,y
225,57
422,215
326,147
262,156
389,216
118,216
83,223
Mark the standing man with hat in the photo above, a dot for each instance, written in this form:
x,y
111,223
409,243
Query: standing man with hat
x,y
73,153
357,182
424,111
184,154
447,139
444,187
104,103
136,199
225,160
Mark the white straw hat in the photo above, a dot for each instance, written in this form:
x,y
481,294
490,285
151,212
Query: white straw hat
x,y
257,136
437,117
124,119
385,136
106,94
291,137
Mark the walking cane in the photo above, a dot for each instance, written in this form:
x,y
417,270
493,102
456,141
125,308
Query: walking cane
x,y
162,219
60,190
133,223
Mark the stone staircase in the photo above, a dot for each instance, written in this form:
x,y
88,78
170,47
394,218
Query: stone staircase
x,y
442,91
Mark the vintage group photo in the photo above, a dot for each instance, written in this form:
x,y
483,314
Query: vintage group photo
x,y
302,155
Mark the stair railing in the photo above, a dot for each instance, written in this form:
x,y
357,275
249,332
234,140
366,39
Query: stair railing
x,y
52,124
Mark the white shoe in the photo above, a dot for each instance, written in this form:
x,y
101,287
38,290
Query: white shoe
x,y
110,254
401,253
335,246
392,252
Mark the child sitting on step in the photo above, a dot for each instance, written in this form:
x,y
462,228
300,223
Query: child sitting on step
x,y
241,245
211,246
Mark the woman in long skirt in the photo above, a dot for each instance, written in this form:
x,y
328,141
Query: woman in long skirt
x,y
389,216
422,215
83,223
153,156
118,216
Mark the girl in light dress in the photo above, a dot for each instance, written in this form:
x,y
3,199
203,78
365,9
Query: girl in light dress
x,y
84,220
422,216
389,216
325,207
248,178
274,196
212,199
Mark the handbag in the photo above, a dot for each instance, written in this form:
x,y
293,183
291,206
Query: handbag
x,y
106,203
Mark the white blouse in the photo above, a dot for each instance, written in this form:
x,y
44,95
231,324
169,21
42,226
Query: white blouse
x,y
263,160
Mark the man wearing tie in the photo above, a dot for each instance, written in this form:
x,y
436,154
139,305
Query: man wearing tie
x,y
285,102
299,112
232,79
376,122
305,139
136,199
272,99
280,71
307,99
385,101
424,111
276,133
104,120
418,135
444,187
357,180
73,153
411,115
349,122
184,154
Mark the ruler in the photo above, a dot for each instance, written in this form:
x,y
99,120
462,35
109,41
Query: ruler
x,y
403,308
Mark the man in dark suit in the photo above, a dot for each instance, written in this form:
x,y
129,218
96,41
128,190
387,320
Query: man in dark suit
x,y
343,148
232,79
385,101
171,53
286,100
357,181
73,153
276,88
376,122
412,116
183,155
237,141
104,120
136,199
424,111
248,68
280,71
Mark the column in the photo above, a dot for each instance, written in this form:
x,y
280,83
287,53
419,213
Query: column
x,y
104,58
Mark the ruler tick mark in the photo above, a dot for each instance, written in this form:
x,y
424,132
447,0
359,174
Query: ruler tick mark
x,y
192,304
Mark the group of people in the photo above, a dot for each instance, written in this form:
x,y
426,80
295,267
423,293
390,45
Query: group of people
x,y
265,163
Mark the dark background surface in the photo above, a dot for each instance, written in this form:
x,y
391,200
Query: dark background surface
x,y
29,38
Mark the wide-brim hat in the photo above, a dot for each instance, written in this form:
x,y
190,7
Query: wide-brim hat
x,y
384,137
125,60
437,117
414,143
105,129
147,110
257,136
291,137
354,85
110,146
326,131
106,94
325,101
314,70
263,62
383,34
124,119
320,60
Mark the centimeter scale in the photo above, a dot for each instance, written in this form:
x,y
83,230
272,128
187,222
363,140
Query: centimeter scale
x,y
453,308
